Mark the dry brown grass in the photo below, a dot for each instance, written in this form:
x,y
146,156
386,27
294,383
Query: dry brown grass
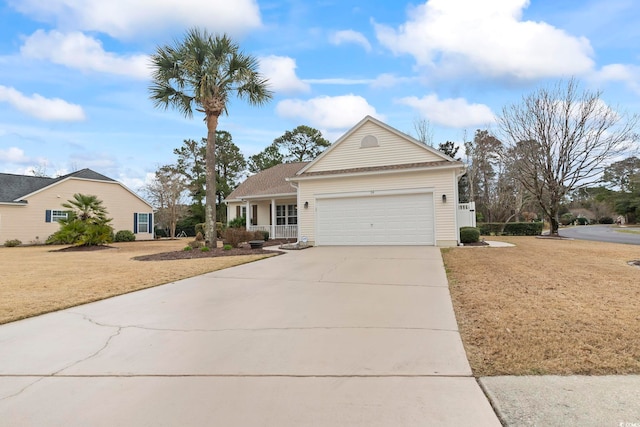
x,y
34,280
548,307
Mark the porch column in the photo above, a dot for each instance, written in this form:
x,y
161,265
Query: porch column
x,y
248,224
273,218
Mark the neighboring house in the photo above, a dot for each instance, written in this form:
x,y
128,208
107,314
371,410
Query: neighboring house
x,y
30,206
374,186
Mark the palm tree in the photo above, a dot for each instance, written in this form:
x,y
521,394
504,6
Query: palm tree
x,y
87,208
202,72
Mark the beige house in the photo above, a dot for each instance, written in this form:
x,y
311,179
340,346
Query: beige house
x,y
31,206
373,186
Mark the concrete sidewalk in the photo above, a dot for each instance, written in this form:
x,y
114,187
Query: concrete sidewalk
x,y
326,336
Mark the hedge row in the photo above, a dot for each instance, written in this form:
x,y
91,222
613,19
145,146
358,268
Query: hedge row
x,y
511,228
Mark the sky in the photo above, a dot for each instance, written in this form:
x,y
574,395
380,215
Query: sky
x,y
75,75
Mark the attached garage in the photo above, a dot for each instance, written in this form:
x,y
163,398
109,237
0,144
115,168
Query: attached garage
x,y
375,219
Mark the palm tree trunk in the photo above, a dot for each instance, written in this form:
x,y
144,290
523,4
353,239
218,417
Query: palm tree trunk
x,y
210,161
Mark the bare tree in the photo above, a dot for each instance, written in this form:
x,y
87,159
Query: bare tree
x,y
423,131
167,193
563,137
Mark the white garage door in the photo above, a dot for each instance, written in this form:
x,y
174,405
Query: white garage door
x,y
405,219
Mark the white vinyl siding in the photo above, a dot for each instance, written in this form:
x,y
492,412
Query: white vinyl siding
x,y
391,150
438,181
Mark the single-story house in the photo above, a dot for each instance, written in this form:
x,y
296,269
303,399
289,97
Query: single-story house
x,y
30,206
374,186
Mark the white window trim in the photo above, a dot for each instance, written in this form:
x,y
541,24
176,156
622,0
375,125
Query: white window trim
x,y
286,216
144,229
57,215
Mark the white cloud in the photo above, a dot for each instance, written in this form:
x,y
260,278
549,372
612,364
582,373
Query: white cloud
x,y
628,74
49,109
387,80
124,19
281,72
339,81
487,37
328,112
13,155
77,50
456,113
350,36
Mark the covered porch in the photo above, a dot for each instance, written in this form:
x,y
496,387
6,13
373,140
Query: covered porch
x,y
277,216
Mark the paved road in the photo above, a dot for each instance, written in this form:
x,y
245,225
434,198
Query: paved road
x,y
324,337
601,233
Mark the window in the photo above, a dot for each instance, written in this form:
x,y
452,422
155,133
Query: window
x,y
143,222
58,215
286,214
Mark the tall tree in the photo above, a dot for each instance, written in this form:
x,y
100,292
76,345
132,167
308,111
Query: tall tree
x,y
484,155
191,164
449,148
267,158
166,192
623,174
203,71
563,137
302,144
423,131
230,167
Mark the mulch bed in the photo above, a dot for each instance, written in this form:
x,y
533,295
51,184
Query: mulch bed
x,y
83,248
218,252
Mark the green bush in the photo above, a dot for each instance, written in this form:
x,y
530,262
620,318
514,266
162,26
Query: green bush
x,y
469,235
125,236
219,229
200,228
605,220
262,235
582,221
204,249
567,218
238,222
227,247
12,243
187,248
511,228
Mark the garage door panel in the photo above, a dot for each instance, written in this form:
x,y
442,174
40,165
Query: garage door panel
x,y
376,220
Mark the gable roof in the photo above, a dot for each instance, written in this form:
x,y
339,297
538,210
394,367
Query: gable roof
x,y
442,159
269,182
14,188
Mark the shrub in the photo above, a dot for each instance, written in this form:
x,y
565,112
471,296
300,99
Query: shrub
x,y
262,235
469,235
238,222
582,221
12,243
236,236
204,249
219,229
567,218
187,248
160,232
200,228
124,236
227,247
605,220
511,228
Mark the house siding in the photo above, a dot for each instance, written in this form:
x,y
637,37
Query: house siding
x,y
264,215
442,182
27,223
391,150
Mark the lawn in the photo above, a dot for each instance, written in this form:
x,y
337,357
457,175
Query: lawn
x,y
35,280
547,306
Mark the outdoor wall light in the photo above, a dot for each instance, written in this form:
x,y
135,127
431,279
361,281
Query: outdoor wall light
x,y
444,198
306,205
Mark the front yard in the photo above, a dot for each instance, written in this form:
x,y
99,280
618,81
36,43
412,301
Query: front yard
x,y
34,280
547,306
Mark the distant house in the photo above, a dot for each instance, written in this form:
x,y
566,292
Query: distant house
x,y
31,206
374,186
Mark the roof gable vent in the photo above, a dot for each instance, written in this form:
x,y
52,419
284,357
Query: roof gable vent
x,y
369,141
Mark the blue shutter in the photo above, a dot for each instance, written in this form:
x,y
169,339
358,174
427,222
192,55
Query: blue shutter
x,y
150,223
47,215
135,223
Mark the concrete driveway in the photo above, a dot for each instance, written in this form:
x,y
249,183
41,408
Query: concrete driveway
x,y
326,336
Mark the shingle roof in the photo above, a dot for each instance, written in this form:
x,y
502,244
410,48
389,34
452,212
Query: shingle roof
x,y
268,182
14,187
383,168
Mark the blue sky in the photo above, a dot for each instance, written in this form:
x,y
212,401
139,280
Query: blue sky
x,y
74,74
